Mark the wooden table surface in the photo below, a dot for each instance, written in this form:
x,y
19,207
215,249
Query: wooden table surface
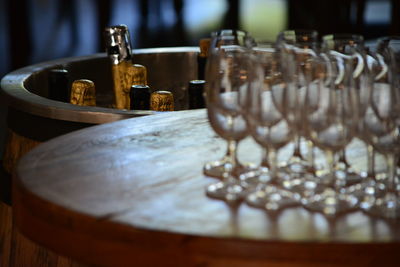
x,y
133,191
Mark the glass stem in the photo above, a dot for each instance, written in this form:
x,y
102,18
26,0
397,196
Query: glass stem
x,y
331,166
273,165
310,159
371,161
296,152
231,154
342,158
391,169
264,160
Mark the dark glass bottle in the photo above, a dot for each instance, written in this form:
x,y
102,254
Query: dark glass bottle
x,y
140,97
196,94
58,85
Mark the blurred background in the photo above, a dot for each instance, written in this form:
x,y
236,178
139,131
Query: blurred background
x,y
33,31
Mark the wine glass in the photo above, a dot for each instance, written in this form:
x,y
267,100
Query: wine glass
x,y
227,84
346,45
268,127
229,164
330,119
382,125
372,184
293,43
265,50
299,81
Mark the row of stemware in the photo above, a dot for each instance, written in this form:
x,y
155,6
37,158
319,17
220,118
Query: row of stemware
x,y
325,92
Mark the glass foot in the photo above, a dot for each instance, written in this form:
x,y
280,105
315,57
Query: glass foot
x,y
256,176
366,192
269,197
298,167
229,191
347,175
331,203
222,169
218,169
387,206
306,186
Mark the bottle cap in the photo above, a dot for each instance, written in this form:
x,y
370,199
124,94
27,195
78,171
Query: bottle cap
x,y
118,43
140,97
83,93
58,84
61,72
196,94
197,83
162,101
140,86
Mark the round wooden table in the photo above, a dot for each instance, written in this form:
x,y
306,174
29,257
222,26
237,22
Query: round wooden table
x,y
132,192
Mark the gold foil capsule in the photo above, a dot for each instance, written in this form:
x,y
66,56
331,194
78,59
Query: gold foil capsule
x,y
121,81
204,46
139,74
202,57
83,93
162,101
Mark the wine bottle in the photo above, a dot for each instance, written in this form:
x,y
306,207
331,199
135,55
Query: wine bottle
x,y
138,74
124,73
162,101
58,85
202,57
196,94
140,97
83,93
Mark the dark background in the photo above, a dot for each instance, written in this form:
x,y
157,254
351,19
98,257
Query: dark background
x,y
33,31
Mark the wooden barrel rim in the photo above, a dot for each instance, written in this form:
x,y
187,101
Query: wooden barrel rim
x,y
18,97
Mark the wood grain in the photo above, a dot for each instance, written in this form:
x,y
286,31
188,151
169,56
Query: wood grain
x,y
15,249
15,147
5,234
24,252
133,192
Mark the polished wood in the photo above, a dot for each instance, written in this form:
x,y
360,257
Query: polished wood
x,y
132,193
